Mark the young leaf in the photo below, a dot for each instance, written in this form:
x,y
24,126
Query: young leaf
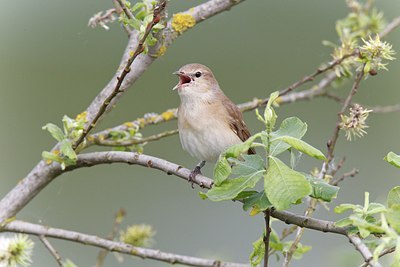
x,y
284,186
344,207
238,149
258,252
292,127
229,189
321,189
301,146
55,131
221,170
66,149
269,113
46,155
393,197
393,159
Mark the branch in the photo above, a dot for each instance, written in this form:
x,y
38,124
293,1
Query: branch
x,y
144,253
383,253
390,27
385,109
363,249
52,250
267,218
351,173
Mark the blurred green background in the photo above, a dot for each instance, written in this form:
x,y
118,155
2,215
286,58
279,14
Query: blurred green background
x,y
52,64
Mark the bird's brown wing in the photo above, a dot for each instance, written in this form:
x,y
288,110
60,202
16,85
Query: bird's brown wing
x,y
237,123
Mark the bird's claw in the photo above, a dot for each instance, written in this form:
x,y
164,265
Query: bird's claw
x,y
193,174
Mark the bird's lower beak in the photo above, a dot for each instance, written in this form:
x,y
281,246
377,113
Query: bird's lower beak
x,y
176,86
183,78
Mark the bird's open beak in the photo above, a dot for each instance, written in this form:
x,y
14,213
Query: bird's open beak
x,y
183,78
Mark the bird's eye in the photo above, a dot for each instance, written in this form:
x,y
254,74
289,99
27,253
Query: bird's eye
x,y
197,74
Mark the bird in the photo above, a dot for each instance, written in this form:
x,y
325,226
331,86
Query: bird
x,y
208,121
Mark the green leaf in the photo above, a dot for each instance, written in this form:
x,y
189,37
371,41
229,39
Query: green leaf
x,y
344,222
344,207
301,146
46,155
229,189
269,112
245,194
249,164
374,208
238,149
221,170
258,252
66,149
284,186
289,127
202,195
258,201
393,217
393,159
393,197
55,131
321,189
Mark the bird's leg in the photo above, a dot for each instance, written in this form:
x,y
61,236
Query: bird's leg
x,y
195,171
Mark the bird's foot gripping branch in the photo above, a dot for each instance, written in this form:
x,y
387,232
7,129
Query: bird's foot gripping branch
x,y
283,186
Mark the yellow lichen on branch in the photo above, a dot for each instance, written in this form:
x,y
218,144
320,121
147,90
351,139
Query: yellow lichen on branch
x,y
182,22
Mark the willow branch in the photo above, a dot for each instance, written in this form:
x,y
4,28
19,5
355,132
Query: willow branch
x,y
363,249
51,249
351,173
390,27
267,218
144,253
385,109
383,253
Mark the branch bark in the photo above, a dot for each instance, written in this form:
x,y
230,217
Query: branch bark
x,y
144,253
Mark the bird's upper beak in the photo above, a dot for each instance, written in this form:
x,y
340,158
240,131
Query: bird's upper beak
x,y
183,79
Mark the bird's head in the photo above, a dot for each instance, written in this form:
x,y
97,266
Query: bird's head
x,y
195,80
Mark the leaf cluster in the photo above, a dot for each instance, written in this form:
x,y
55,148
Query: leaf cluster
x,y
142,12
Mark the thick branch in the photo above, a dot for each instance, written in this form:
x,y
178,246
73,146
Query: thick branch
x,y
144,253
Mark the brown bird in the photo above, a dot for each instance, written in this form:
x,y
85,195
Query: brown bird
x,y
208,121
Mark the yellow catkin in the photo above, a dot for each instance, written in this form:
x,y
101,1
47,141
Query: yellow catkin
x,y
167,115
182,22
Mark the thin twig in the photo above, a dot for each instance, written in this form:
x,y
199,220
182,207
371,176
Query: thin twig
x,y
117,222
50,248
139,49
383,253
385,109
351,173
390,27
144,253
364,250
267,217
127,11
106,142
317,72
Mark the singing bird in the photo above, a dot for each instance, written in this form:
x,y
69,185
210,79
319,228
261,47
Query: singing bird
x,y
208,121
